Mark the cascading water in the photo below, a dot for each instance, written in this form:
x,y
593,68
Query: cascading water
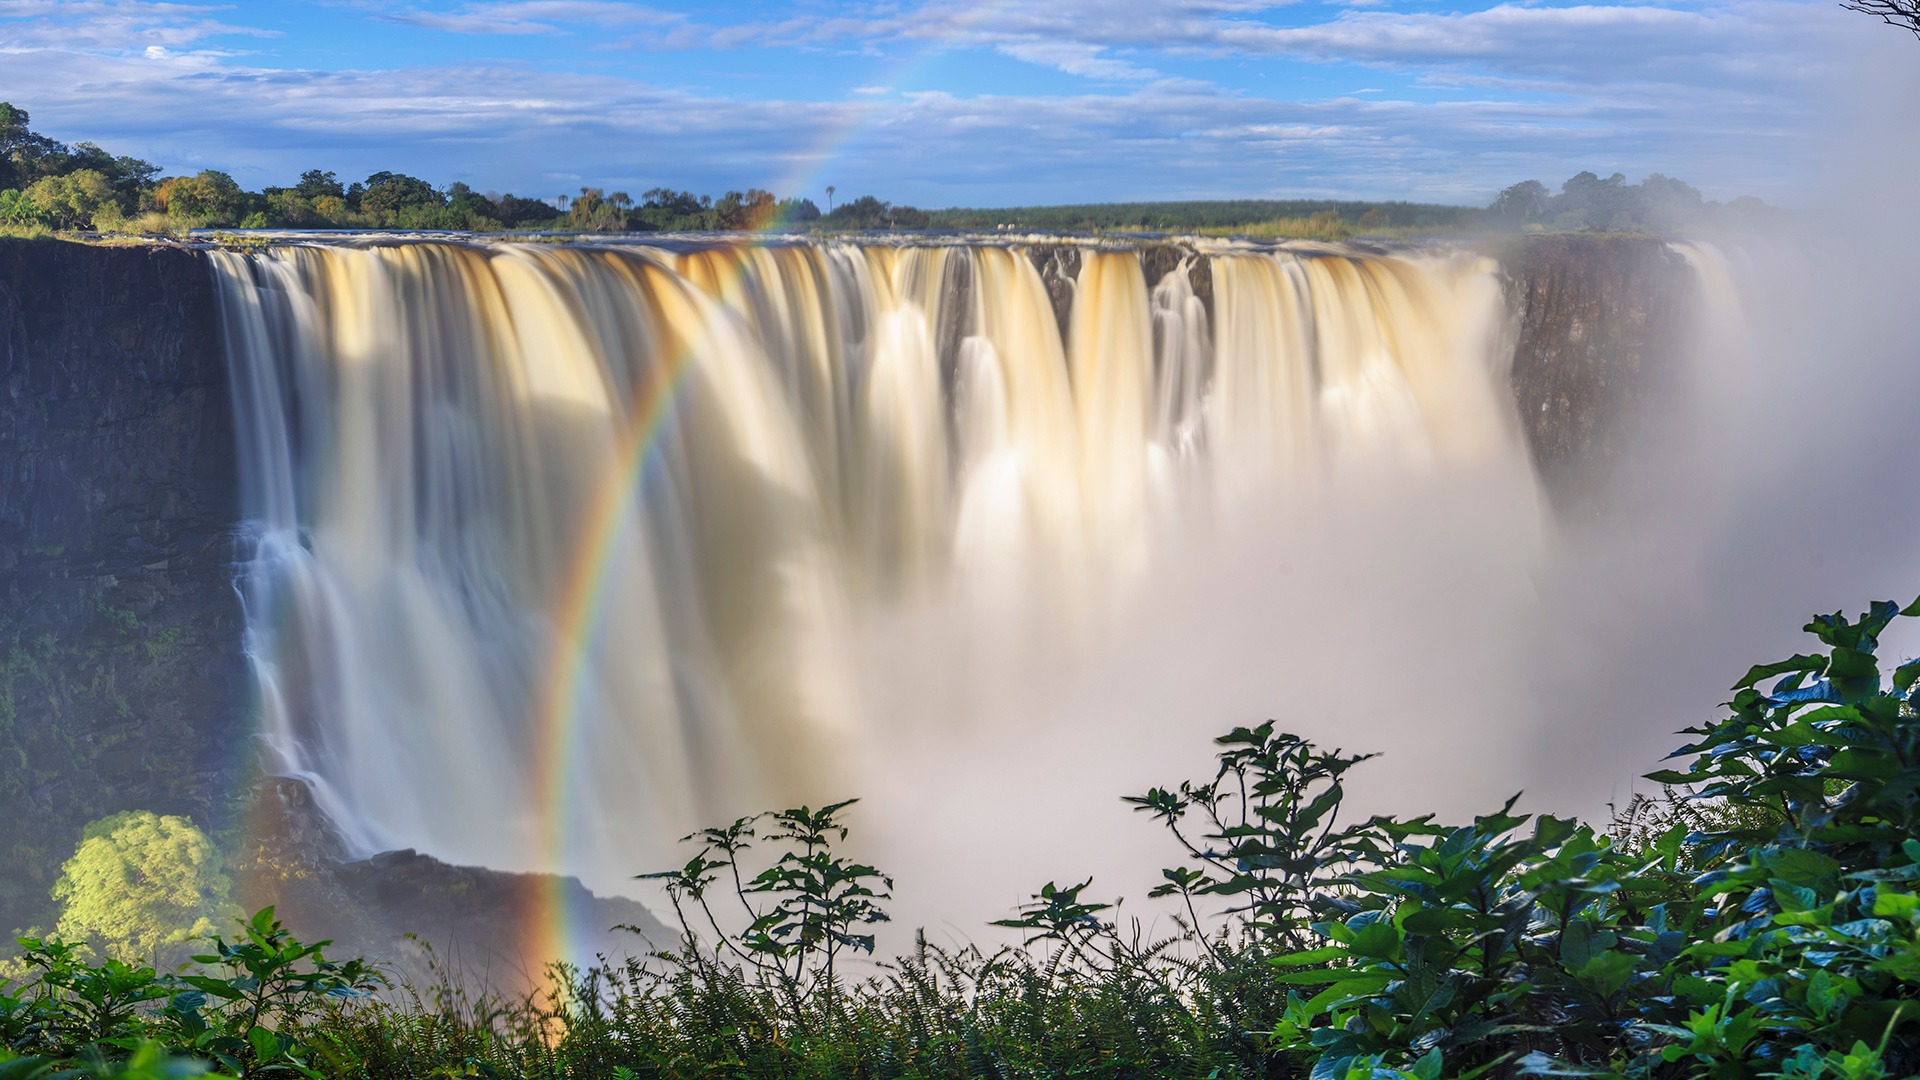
x,y
564,551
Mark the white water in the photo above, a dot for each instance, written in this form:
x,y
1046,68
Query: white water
x,y
899,536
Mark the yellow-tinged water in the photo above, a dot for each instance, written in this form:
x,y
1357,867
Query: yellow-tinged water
x,y
565,551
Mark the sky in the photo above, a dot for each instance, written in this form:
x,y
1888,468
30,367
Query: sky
x,y
936,103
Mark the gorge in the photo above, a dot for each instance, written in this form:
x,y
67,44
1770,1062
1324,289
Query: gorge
x,y
538,556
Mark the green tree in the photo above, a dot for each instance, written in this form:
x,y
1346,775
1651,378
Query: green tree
x,y
1522,202
387,194
128,175
140,884
73,201
315,184
24,155
735,211
17,209
797,210
208,198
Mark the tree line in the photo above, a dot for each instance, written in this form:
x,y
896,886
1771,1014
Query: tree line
x,y
47,184
1588,202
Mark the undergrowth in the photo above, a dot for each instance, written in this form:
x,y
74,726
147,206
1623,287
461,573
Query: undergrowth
x,y
1758,919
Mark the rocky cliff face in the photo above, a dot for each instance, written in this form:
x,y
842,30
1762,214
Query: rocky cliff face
x,y
120,668
1603,324
122,685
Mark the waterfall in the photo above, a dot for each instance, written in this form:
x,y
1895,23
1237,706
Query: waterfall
x,y
560,551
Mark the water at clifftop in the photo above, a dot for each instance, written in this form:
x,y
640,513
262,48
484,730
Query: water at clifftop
x,y
564,551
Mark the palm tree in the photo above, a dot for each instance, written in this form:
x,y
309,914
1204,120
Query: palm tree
x,y
829,198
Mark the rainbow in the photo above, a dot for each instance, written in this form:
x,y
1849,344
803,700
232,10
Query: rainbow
x,y
551,926
577,620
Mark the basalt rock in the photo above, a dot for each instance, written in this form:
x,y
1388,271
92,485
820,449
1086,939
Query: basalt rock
x,y
406,911
1603,323
121,679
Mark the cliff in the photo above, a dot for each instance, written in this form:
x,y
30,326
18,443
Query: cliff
x,y
120,669
122,684
1603,323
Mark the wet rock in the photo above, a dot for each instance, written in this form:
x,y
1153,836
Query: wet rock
x,y
121,680
1603,324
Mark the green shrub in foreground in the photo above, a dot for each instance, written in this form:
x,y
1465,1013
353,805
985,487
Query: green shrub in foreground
x,y
1760,921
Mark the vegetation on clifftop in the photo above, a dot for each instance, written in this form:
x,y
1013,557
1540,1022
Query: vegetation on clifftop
x,y
47,186
1761,919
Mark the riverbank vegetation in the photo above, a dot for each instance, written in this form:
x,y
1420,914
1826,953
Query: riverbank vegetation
x,y
50,188
1760,918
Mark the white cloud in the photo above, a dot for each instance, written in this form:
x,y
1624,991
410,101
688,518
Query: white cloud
x,y
1076,58
518,17
1717,93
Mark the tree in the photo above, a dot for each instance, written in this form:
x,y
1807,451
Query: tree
x,y
140,884
795,211
315,185
736,211
1521,202
74,200
1904,14
865,212
829,198
388,193
24,155
208,198
513,210
594,211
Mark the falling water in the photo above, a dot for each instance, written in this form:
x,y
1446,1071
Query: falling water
x,y
563,551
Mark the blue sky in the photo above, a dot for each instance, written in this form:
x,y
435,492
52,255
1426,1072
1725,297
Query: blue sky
x,y
937,103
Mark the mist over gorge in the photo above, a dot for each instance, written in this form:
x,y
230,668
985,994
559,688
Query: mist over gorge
x,y
914,515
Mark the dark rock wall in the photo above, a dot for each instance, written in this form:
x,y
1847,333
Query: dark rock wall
x,y
120,668
1604,322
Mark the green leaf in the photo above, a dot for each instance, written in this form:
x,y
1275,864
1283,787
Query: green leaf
x,y
1311,956
1855,764
1852,664
1576,945
1895,905
1799,662
266,1045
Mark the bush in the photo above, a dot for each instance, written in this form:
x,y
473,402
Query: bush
x,y
1759,920
140,885
73,200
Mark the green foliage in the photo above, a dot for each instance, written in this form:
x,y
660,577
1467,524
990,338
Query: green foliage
x,y
245,1012
73,200
139,885
1226,216
1760,920
1268,843
1587,202
240,1012
207,198
1777,938
800,912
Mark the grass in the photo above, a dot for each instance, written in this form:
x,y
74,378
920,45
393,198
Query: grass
x,y
1761,921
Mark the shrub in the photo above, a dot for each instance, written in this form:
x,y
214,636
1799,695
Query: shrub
x,y
139,885
1760,920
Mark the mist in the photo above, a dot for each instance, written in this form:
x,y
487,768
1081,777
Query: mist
x,y
1482,644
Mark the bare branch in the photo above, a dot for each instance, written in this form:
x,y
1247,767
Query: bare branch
x,y
1901,13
